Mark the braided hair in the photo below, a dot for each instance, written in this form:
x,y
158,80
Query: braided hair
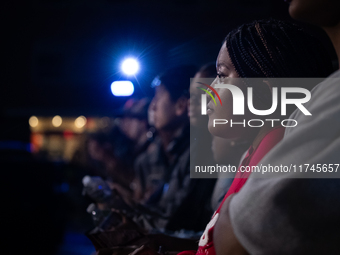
x,y
276,49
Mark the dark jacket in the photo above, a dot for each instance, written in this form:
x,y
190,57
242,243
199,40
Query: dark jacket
x,y
179,201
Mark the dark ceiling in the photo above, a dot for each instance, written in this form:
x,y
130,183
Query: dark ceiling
x,y
61,56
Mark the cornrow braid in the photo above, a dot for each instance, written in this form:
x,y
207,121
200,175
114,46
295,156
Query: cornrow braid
x,y
273,49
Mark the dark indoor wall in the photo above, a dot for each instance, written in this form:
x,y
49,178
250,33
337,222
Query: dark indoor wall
x,y
60,57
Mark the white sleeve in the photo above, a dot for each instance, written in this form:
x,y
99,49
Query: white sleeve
x,y
296,215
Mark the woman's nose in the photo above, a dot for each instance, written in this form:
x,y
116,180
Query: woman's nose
x,y
213,86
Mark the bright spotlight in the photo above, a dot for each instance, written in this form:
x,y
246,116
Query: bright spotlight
x,y
122,88
130,66
56,121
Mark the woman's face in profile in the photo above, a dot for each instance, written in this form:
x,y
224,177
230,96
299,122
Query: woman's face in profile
x,y
227,75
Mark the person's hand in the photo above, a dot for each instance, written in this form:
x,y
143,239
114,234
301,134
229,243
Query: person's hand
x,y
125,222
143,250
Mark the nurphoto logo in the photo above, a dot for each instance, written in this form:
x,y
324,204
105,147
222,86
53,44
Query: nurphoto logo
x,y
238,99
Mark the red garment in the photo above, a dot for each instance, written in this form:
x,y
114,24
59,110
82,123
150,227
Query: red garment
x,y
253,157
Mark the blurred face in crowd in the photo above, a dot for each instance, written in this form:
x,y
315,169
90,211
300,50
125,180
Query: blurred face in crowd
x,y
226,74
194,112
134,128
150,115
95,150
324,13
167,114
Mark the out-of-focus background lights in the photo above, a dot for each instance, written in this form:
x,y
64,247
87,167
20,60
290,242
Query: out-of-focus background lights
x,y
130,66
56,121
33,121
80,122
122,88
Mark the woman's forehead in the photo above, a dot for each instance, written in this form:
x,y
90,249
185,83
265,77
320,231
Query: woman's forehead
x,y
223,59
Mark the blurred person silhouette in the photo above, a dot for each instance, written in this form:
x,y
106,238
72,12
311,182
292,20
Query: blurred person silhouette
x,y
226,152
83,160
194,112
88,161
134,123
114,151
146,184
164,171
153,168
200,138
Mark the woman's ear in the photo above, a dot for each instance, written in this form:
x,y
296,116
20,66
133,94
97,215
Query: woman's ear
x,y
181,106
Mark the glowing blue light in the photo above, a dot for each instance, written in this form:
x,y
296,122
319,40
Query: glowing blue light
x,y
130,66
64,187
122,88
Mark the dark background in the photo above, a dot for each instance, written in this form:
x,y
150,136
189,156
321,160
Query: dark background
x,y
60,57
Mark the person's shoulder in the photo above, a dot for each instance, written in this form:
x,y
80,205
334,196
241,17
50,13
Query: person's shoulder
x,y
336,74
152,149
324,103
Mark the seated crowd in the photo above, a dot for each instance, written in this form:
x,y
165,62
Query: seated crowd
x,y
144,199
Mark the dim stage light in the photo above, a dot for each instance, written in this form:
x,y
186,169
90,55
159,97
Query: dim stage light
x,y
122,88
80,122
56,121
33,121
130,66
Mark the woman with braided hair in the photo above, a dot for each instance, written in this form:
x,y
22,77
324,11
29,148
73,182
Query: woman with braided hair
x,y
261,49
